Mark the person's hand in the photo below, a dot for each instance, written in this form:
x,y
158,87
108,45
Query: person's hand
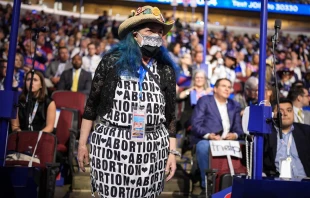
x,y
213,136
27,69
39,54
171,166
55,80
209,89
230,136
83,156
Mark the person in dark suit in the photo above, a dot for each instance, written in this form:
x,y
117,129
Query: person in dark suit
x,y
275,149
299,97
215,118
55,68
76,79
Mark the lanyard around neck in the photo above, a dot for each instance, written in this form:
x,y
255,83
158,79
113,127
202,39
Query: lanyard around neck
x,y
142,73
289,143
31,117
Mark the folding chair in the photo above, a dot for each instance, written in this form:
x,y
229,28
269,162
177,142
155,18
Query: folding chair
x,y
218,177
45,172
71,100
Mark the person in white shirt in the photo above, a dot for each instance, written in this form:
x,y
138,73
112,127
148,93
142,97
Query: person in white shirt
x,y
299,97
214,118
91,61
226,70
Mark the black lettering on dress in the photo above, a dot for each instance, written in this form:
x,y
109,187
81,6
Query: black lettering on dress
x,y
121,191
100,176
116,144
145,86
98,164
134,96
149,108
149,97
126,106
152,87
104,164
113,191
126,95
127,85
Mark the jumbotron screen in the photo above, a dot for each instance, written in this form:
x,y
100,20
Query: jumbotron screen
x,y
248,5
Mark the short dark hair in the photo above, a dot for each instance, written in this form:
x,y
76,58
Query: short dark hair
x,y
298,83
295,92
91,43
2,61
60,48
217,83
282,101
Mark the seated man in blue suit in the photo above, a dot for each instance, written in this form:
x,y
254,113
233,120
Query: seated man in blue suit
x,y
215,118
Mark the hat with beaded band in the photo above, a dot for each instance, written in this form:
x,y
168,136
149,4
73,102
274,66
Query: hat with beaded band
x,y
145,14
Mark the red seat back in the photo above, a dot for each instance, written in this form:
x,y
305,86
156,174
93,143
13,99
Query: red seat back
x,y
46,149
238,87
70,100
64,124
221,164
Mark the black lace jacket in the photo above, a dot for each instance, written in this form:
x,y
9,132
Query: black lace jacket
x,y
104,84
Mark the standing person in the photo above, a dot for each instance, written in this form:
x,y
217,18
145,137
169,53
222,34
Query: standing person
x,y
123,91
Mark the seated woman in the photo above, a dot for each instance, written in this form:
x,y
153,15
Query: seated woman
x,y
42,111
200,86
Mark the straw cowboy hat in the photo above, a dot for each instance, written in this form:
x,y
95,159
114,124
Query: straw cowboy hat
x,y
146,14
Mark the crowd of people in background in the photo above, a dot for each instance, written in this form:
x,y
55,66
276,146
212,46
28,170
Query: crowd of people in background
x,y
68,54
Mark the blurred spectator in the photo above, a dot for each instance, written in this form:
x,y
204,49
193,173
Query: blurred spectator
x,y
76,79
91,61
4,53
82,49
253,66
199,65
56,68
186,65
215,61
174,51
3,68
100,48
214,118
199,87
241,65
39,63
19,72
43,111
299,98
269,94
102,24
285,84
250,94
227,70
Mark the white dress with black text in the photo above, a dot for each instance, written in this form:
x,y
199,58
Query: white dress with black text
x,y
124,168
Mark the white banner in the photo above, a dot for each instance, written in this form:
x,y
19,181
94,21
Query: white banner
x,y
193,3
174,3
223,148
185,3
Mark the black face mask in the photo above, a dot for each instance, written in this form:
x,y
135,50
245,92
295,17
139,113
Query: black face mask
x,y
149,51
